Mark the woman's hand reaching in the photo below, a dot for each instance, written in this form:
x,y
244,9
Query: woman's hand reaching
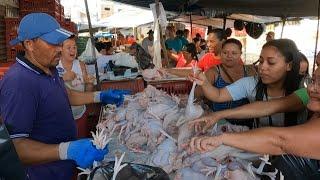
x,y
199,78
205,143
204,123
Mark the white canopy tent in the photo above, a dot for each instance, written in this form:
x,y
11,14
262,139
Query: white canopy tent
x,y
128,18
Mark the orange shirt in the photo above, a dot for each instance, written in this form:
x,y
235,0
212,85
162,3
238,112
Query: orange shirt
x,y
131,40
207,61
181,62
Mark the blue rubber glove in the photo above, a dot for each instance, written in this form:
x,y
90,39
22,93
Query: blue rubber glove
x,y
113,96
83,152
122,92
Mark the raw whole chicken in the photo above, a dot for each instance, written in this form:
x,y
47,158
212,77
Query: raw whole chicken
x,y
152,128
156,74
165,155
151,74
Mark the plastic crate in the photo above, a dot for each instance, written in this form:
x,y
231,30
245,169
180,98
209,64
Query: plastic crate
x,y
70,26
12,52
11,26
62,10
135,85
50,1
62,19
56,15
1,75
173,87
40,5
3,70
10,37
6,64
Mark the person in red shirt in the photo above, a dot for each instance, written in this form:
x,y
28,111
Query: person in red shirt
x,y
188,57
214,42
131,40
185,59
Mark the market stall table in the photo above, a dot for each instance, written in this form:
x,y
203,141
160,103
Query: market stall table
x,y
135,85
146,128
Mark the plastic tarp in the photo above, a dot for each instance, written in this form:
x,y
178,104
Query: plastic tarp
x,y
128,18
218,22
161,20
130,172
276,8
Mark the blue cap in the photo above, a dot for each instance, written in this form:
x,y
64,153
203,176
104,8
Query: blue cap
x,y
43,26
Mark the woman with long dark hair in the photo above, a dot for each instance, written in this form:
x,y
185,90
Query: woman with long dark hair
x,y
278,76
228,72
294,145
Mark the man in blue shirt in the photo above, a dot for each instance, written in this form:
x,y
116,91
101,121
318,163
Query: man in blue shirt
x,y
173,42
35,105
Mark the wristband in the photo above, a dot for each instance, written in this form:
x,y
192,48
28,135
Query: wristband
x,y
96,97
63,150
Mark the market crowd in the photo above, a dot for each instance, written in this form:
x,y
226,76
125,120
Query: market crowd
x,y
43,97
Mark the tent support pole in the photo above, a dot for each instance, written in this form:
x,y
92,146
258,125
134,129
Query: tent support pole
x,y
283,24
165,53
115,32
190,24
93,45
317,36
224,22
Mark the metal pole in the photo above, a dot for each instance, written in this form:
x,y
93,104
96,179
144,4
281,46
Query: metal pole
x,y
115,32
190,24
315,50
283,24
224,23
161,37
93,45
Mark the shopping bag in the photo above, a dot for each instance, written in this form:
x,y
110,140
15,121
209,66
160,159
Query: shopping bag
x,y
130,172
10,165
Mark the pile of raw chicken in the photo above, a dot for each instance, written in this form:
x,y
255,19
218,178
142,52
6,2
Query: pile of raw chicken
x,y
152,128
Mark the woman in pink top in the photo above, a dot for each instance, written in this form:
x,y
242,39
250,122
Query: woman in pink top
x,y
188,57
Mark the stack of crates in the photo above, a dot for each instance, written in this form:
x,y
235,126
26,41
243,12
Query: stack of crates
x,y
11,26
3,47
70,26
51,7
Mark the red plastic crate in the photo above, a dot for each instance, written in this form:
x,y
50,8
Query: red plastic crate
x,y
61,19
135,85
6,64
1,75
4,69
11,26
70,26
61,10
10,37
12,52
27,1
40,5
53,14
173,87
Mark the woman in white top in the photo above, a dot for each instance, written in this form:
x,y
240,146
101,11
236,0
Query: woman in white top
x,y
75,75
278,71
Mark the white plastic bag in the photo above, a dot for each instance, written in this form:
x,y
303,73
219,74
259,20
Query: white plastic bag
x,y
87,54
160,20
125,59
